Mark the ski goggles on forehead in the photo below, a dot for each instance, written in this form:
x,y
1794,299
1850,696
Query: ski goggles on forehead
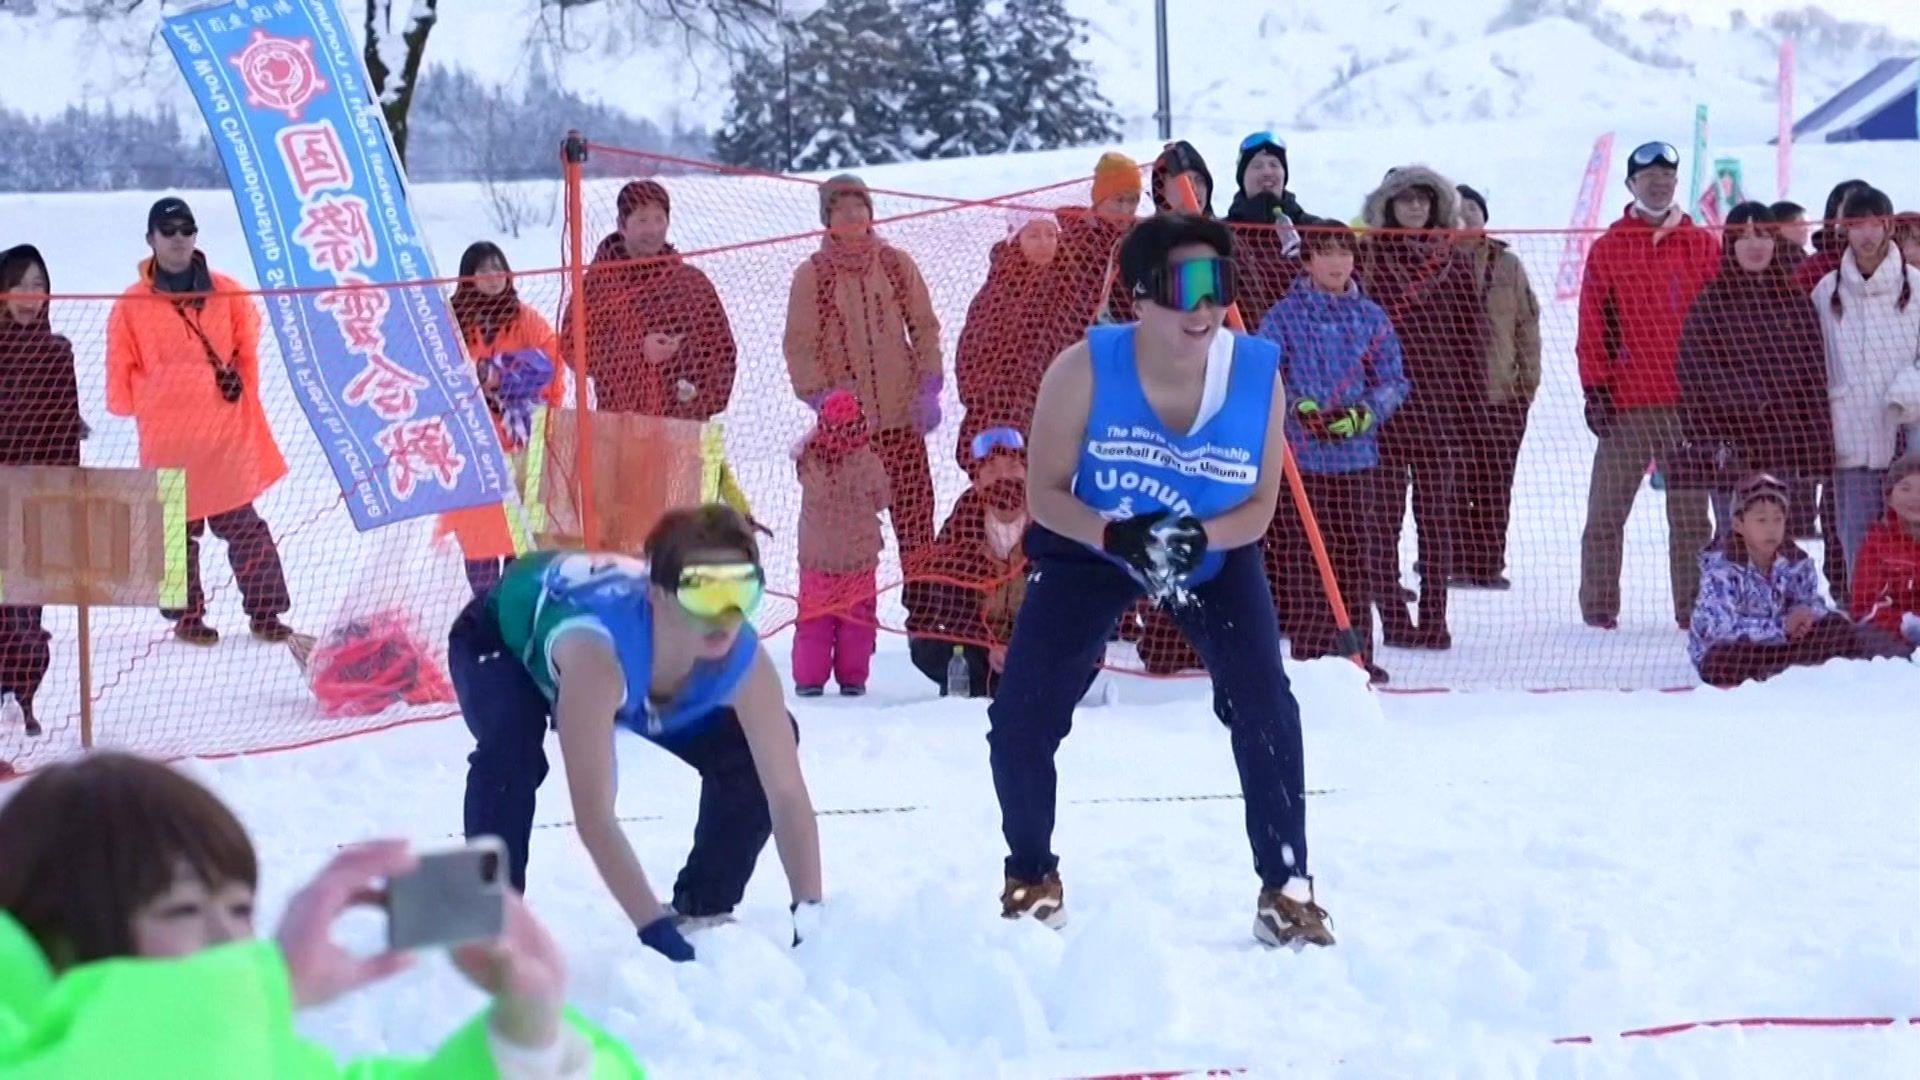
x,y
718,590
1262,138
1184,286
1647,155
999,438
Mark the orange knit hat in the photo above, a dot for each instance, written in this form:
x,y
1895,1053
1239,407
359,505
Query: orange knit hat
x,y
1115,174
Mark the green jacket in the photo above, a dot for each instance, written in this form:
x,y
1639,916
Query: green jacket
x,y
225,1012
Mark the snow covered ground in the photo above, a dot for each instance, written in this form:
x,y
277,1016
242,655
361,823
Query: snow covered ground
x,y
1503,869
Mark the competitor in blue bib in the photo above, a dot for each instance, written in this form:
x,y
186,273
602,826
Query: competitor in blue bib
x,y
587,642
1154,466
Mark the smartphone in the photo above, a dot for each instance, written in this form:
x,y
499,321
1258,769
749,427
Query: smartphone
x,y
453,897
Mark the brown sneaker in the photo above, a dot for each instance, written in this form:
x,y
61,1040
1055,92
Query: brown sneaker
x,y
1044,900
1279,919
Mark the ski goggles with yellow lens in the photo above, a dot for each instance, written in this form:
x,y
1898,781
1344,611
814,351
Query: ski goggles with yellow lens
x,y
1184,286
721,590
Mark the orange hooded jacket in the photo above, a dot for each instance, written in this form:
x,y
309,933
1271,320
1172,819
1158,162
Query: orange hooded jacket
x,y
158,373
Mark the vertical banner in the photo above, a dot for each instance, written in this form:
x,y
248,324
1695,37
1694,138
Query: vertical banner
x,y
1586,218
1699,152
1727,191
378,370
1783,148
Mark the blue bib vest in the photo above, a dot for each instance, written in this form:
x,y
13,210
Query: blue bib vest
x,y
617,597
1131,464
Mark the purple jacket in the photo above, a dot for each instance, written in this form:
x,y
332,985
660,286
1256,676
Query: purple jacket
x,y
1740,602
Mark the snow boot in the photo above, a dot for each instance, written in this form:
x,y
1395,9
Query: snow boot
x,y
192,630
853,691
808,691
1044,900
270,628
1293,920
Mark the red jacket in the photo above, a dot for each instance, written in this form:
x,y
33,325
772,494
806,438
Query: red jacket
x,y
1814,267
1633,302
1886,576
1017,323
626,301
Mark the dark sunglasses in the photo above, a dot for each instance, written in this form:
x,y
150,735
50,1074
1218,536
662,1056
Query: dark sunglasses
x,y
177,230
1184,286
1655,153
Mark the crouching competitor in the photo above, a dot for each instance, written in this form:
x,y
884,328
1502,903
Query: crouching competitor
x,y
663,648
1153,466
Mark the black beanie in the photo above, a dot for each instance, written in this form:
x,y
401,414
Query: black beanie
x,y
1475,198
1272,146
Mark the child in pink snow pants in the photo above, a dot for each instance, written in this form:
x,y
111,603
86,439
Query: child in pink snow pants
x,y
843,489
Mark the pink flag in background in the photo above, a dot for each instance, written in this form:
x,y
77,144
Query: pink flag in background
x,y
1586,217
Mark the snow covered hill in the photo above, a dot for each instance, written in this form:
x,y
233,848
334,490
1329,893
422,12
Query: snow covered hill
x,y
1236,64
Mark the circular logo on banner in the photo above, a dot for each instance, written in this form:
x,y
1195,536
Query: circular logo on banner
x,y
279,73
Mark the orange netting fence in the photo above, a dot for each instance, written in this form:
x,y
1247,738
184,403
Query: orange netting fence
x,y
1488,446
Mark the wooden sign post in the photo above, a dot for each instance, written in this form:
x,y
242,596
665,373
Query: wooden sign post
x,y
92,538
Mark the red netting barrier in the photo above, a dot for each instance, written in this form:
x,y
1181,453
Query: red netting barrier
x,y
1494,445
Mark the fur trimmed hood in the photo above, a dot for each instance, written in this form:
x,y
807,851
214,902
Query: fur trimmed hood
x,y
1446,201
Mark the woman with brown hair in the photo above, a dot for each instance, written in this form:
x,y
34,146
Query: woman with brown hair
x,y
114,858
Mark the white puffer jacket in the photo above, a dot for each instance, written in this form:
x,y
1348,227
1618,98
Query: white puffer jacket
x,y
1870,344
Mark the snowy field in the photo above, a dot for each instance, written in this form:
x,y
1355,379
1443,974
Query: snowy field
x,y
1503,869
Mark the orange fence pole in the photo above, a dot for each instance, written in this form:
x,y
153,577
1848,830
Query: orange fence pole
x,y
575,155
1349,641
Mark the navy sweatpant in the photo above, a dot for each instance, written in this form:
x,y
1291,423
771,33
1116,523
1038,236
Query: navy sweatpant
x,y
509,717
1073,598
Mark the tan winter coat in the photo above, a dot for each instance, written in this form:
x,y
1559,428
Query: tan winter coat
x,y
859,318
1513,347
840,503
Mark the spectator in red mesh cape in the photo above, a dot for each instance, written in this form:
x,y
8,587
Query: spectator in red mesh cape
x,y
859,318
39,425
969,591
1906,234
1829,240
658,339
515,354
1886,580
843,489
1090,238
1017,323
1490,450
1641,278
1410,266
1752,371
183,359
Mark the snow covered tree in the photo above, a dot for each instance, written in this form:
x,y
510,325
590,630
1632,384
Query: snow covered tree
x,y
953,105
837,81
1045,94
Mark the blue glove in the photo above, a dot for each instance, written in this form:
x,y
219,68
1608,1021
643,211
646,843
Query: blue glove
x,y
663,937
926,405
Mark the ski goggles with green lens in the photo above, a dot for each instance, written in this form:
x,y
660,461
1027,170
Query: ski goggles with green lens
x,y
1184,286
721,590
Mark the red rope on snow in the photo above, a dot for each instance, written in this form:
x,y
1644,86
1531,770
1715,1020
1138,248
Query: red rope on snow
x,y
1749,1021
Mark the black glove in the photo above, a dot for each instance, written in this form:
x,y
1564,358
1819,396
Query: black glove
x,y
1131,541
1599,411
1184,543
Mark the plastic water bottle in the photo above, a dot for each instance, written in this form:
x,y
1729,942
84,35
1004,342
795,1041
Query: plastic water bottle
x,y
959,680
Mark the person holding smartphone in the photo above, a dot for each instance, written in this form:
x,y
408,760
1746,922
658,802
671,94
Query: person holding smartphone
x,y
1153,467
128,948
586,642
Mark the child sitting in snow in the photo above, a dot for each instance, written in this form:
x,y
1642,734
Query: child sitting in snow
x,y
1759,611
1886,579
843,488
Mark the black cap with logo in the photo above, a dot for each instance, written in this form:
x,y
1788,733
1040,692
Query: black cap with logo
x,y
171,210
